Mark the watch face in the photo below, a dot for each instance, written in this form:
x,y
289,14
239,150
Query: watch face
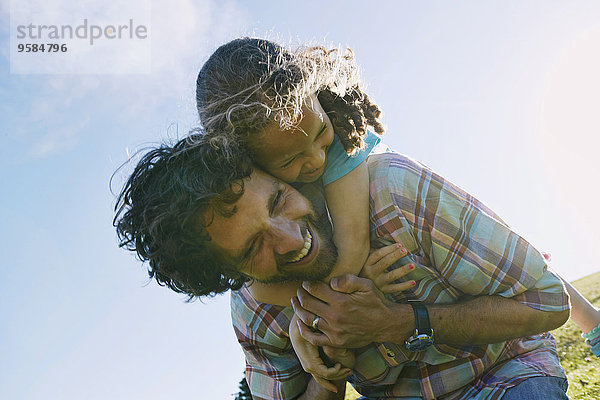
x,y
419,342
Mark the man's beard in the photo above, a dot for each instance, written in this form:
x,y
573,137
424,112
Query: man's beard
x,y
323,264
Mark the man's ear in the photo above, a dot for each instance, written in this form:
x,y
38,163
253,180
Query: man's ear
x,y
221,264
232,273
238,276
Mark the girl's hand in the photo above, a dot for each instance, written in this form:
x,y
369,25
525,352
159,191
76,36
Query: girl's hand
x,y
377,263
312,363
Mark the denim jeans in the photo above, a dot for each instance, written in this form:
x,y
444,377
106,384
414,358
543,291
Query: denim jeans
x,y
536,388
539,388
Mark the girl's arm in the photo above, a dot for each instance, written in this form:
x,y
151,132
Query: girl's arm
x,y
586,317
583,313
348,203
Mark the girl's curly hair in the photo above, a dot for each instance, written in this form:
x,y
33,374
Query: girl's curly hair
x,y
165,206
249,83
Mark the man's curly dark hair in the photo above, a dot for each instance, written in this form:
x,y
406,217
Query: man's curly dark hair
x,y
165,206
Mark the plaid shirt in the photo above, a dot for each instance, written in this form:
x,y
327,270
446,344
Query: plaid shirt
x,y
462,249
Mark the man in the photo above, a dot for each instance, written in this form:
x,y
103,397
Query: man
x,y
207,222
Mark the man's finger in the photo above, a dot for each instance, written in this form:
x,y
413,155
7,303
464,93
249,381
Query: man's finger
x,y
351,283
332,373
306,316
320,290
326,384
325,380
315,338
311,304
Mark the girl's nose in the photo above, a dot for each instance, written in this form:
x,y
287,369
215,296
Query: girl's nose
x,y
316,161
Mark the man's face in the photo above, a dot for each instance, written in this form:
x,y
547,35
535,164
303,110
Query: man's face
x,y
274,235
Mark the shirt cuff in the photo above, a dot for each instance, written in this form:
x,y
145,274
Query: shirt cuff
x,y
392,353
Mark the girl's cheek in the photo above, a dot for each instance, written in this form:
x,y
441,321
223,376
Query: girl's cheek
x,y
292,177
289,175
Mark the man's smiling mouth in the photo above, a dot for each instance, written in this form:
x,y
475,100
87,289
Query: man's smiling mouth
x,y
305,250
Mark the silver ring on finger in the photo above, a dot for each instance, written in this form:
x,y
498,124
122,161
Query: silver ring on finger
x,y
315,323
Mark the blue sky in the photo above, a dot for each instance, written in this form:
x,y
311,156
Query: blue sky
x,y
499,97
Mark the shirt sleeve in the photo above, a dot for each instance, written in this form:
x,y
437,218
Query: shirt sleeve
x,y
273,371
339,163
473,250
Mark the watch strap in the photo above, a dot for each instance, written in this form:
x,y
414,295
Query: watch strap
x,y
421,318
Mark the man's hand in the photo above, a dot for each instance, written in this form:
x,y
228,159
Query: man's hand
x,y
309,357
352,311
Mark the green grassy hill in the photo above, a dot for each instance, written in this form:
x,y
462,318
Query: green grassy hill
x,y
583,368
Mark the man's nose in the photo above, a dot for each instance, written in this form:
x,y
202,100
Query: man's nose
x,y
285,235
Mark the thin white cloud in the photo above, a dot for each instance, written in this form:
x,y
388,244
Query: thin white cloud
x,y
59,139
182,35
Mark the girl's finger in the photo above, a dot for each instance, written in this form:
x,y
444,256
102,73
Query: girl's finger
x,y
388,260
368,270
398,287
378,254
397,273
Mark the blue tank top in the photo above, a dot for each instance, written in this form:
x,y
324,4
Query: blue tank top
x,y
339,163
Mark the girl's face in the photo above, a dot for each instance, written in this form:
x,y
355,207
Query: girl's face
x,y
298,154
